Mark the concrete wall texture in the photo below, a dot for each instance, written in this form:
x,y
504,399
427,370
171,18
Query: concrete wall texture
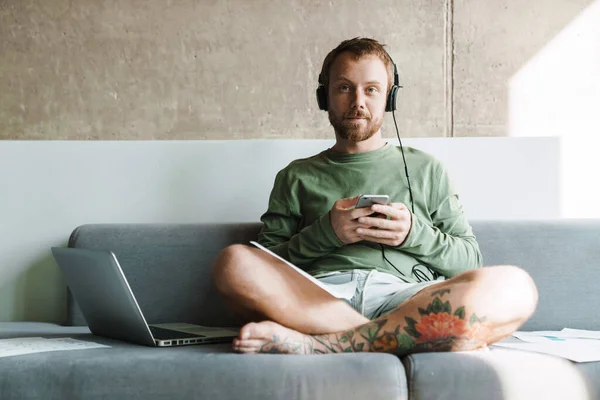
x,y
242,69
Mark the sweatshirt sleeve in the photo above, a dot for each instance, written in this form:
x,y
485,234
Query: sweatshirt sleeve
x,y
446,244
281,232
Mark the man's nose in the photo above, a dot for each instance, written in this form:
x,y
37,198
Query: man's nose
x,y
358,99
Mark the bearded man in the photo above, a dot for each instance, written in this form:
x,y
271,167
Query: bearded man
x,y
410,269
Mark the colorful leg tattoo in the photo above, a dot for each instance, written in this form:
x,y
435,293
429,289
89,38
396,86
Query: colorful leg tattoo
x,y
438,328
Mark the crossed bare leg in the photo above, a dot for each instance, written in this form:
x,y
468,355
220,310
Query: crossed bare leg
x,y
444,317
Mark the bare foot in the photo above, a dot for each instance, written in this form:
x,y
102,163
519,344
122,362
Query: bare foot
x,y
270,337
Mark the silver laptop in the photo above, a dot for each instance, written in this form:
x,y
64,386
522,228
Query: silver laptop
x,y
98,284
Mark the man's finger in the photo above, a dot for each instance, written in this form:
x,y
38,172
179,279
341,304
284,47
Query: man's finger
x,y
382,236
376,233
348,202
361,212
399,206
392,212
377,222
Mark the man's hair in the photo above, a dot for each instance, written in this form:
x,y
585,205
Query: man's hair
x,y
359,47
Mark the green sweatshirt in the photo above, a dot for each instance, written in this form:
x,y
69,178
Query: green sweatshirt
x,y
296,225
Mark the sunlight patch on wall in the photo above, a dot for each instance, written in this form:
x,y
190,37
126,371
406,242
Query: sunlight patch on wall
x,y
557,93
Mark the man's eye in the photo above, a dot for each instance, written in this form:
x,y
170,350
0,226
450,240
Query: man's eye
x,y
372,90
344,88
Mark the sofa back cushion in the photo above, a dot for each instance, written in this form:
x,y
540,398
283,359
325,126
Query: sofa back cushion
x,y
169,266
562,256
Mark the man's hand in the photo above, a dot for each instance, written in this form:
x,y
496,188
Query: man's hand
x,y
344,219
392,231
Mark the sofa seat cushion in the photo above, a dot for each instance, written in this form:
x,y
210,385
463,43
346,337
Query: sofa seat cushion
x,y
127,371
500,374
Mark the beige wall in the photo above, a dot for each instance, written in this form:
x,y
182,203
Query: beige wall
x,y
242,69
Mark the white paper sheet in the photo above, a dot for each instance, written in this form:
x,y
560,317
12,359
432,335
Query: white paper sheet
x,y
566,333
573,344
580,333
29,345
578,350
343,291
539,336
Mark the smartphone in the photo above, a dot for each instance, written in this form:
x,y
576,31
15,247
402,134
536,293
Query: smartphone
x,y
367,200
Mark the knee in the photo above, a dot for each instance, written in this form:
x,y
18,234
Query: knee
x,y
514,288
229,266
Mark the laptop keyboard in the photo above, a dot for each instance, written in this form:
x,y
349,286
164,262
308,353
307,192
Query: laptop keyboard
x,y
166,334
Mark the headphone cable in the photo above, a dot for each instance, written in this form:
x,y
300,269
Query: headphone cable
x,y
412,204
421,277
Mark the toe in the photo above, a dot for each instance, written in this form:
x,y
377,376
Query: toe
x,y
250,346
244,350
262,330
244,332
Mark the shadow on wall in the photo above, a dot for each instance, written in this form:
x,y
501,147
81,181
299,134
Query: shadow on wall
x,y
41,293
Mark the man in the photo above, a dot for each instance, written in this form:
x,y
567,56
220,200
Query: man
x,y
393,260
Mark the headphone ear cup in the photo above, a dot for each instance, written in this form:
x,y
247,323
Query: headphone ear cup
x,y
390,105
322,98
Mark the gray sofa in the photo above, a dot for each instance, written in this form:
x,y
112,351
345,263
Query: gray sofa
x,y
168,267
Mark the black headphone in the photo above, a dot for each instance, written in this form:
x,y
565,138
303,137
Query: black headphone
x,y
390,104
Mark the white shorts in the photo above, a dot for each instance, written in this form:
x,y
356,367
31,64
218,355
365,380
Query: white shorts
x,y
377,293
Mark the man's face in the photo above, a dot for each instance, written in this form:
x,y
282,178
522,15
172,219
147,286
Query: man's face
x,y
357,96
